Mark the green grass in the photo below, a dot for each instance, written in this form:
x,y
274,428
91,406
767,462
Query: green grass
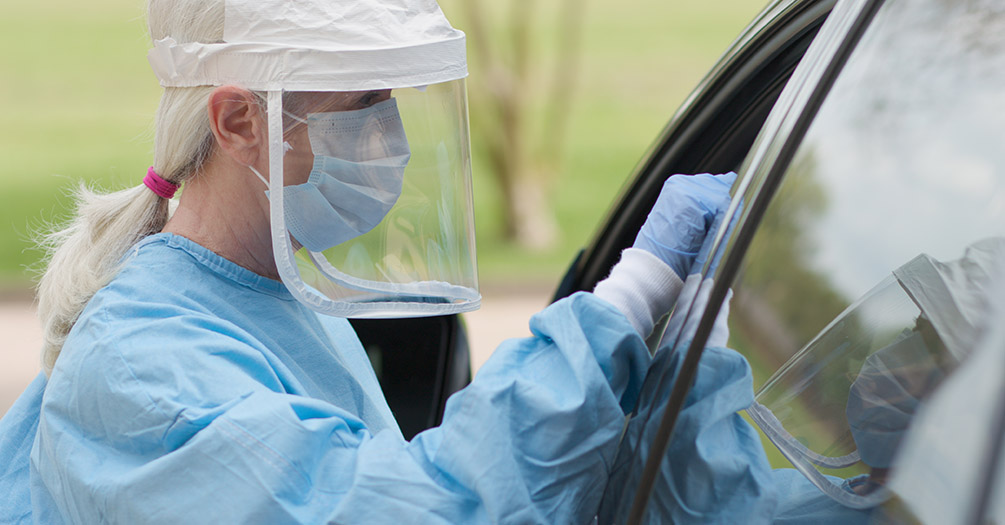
x,y
78,100
77,106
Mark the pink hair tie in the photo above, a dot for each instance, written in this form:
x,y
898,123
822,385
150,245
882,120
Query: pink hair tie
x,y
158,185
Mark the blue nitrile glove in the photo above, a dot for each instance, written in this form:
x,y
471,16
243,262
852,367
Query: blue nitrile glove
x,y
682,215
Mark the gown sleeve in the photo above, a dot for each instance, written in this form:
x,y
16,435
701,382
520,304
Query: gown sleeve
x,y
190,423
17,434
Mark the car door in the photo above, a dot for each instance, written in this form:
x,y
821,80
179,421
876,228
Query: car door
x,y
880,162
419,362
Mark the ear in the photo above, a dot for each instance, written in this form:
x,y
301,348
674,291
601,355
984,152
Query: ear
x,y
238,123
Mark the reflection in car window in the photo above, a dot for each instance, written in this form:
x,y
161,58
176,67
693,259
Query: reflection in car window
x,y
875,253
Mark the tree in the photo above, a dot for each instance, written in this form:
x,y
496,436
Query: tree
x,y
520,103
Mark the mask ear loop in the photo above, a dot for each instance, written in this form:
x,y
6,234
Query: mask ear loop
x,y
294,117
286,148
259,175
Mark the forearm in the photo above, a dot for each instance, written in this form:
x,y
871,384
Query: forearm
x,y
641,287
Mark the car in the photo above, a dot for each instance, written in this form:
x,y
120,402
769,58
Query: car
x,y
866,218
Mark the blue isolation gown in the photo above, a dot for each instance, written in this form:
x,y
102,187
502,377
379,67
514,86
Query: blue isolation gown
x,y
192,390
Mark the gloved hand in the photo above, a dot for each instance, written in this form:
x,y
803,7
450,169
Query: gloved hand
x,y
681,217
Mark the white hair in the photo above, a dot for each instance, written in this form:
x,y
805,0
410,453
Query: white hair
x,y
86,254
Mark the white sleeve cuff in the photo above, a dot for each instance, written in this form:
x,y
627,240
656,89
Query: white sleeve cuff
x,y
642,287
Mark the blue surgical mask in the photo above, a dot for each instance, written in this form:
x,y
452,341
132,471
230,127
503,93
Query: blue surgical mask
x,y
886,394
359,163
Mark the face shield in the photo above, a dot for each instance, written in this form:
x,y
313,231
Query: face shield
x,y
839,409
369,168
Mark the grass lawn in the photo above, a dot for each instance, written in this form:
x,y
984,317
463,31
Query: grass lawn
x,y
78,103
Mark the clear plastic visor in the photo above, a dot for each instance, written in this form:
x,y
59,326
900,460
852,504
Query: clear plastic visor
x,y
373,214
840,408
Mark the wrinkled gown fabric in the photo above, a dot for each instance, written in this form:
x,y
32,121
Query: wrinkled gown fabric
x,y
191,389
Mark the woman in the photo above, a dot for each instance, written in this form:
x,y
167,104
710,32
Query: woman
x,y
189,373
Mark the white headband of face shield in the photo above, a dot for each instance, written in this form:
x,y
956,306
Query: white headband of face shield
x,y
315,45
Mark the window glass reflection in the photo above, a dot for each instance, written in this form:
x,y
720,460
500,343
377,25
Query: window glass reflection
x,y
872,263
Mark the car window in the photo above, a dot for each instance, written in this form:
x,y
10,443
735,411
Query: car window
x,y
865,280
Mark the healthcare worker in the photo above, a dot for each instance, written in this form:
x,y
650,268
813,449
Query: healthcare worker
x,y
198,364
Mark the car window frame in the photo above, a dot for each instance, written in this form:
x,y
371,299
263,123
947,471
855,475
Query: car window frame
x,y
764,53
750,77
760,177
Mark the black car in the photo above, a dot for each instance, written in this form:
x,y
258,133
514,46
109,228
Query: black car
x,y
868,138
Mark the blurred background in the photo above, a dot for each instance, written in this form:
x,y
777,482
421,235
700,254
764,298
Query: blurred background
x,y
565,96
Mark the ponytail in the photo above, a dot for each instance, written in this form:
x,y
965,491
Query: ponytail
x,y
85,255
